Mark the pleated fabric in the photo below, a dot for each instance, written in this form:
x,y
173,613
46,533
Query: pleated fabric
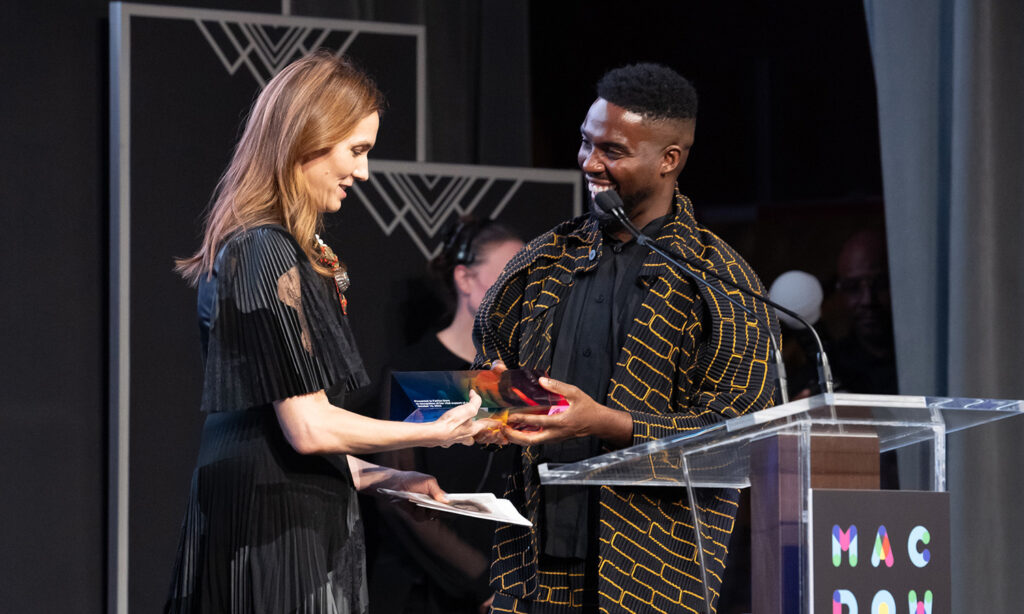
x,y
267,529
277,329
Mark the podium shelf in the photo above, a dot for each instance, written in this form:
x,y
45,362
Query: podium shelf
x,y
718,456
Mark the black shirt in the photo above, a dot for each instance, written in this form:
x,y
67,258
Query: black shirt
x,y
591,326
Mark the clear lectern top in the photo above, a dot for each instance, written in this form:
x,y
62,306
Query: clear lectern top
x,y
719,455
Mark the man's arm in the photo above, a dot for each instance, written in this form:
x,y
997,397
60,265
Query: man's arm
x,y
622,428
725,384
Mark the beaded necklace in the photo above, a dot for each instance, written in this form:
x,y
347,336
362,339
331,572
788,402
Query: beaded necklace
x,y
341,280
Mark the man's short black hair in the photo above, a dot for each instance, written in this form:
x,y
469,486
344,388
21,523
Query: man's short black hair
x,y
651,90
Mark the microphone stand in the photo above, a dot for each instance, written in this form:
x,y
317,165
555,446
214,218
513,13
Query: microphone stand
x,y
610,202
825,380
642,239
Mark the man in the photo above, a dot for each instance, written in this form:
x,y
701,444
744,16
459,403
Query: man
x,y
640,353
865,360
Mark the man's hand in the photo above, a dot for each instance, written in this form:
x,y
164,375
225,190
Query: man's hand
x,y
583,417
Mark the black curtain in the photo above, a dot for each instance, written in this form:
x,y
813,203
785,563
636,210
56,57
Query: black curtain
x,y
478,81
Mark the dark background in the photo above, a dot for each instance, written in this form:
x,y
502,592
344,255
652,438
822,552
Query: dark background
x,y
785,166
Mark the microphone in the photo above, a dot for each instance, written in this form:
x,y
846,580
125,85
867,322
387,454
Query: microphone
x,y
610,202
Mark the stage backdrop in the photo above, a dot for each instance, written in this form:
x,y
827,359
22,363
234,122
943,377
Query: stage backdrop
x,y
181,82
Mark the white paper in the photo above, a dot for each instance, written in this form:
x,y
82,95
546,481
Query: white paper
x,y
474,505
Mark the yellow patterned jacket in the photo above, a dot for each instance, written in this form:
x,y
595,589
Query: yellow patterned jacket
x,y
690,359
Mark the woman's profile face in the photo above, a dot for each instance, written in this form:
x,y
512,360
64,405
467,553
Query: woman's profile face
x,y
330,175
481,275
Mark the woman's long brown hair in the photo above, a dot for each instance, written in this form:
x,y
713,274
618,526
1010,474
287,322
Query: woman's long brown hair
x,y
306,109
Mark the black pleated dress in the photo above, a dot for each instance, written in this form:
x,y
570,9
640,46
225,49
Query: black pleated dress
x,y
266,529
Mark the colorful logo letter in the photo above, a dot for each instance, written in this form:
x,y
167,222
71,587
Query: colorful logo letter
x,y
918,535
882,550
883,603
917,607
844,541
843,597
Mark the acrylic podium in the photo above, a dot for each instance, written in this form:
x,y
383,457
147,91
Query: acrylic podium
x,y
786,454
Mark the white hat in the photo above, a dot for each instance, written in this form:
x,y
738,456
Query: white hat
x,y
800,292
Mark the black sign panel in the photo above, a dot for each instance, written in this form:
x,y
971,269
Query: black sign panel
x,y
880,552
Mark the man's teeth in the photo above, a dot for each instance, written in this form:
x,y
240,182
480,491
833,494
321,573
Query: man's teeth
x,y
594,189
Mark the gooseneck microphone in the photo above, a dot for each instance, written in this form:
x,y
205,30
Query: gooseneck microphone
x,y
610,202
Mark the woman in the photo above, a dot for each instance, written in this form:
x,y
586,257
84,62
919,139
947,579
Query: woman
x,y
441,565
474,255
272,523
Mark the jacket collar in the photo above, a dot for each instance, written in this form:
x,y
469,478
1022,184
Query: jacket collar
x,y
583,239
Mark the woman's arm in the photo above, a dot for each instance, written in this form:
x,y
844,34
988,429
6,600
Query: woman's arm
x,y
313,426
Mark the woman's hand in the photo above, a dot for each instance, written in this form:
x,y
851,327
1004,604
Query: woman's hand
x,y
370,478
457,424
414,481
492,431
492,434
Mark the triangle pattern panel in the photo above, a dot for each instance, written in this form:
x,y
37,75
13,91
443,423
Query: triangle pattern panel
x,y
423,205
266,49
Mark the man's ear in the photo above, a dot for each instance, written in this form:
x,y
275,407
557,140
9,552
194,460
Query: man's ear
x,y
674,155
461,275
670,159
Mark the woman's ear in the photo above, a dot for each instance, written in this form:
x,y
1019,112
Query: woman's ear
x,y
461,276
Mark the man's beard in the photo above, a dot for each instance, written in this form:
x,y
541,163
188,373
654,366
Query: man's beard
x,y
630,202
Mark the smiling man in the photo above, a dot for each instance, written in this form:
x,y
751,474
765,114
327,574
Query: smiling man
x,y
639,352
